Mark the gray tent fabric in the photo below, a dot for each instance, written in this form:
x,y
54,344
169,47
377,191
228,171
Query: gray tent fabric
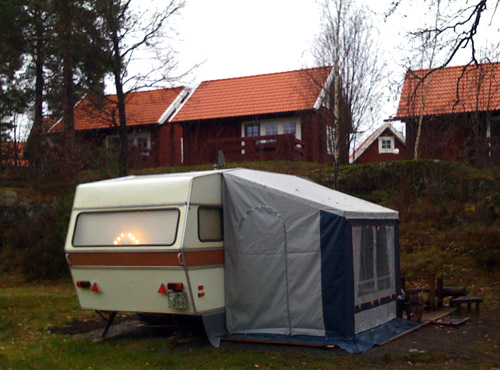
x,y
289,262
285,264
265,289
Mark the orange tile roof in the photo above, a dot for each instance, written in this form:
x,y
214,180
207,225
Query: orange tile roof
x,y
142,108
255,95
478,90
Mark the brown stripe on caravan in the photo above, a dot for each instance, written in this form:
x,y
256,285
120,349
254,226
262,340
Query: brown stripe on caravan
x,y
146,259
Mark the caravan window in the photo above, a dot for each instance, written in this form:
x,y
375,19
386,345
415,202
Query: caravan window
x,y
374,246
210,224
126,228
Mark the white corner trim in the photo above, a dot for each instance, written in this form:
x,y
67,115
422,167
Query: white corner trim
x,y
178,102
60,119
324,90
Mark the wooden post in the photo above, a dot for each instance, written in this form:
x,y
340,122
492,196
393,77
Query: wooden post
x,y
432,292
440,292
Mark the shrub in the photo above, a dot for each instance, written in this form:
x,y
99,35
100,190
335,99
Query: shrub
x,y
483,244
34,244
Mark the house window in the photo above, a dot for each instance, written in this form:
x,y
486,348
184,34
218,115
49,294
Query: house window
x,y
252,130
494,127
140,140
275,126
375,273
386,144
289,128
271,129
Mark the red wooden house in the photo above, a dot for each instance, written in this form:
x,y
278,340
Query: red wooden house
x,y
384,144
147,115
460,110
263,117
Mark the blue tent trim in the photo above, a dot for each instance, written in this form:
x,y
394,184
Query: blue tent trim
x,y
337,285
378,302
354,344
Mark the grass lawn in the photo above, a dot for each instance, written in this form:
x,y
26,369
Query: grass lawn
x,y
28,311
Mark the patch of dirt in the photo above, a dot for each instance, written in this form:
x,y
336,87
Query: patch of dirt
x,y
178,330
87,325
478,340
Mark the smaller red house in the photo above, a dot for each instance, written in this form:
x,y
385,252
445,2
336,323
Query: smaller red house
x,y
384,144
263,117
147,115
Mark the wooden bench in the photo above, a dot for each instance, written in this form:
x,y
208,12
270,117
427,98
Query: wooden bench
x,y
466,299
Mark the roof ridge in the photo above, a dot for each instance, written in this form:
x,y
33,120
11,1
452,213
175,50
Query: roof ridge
x,y
453,67
265,74
146,91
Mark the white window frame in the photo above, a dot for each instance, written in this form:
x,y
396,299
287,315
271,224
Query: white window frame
x,y
381,140
270,128
279,121
287,129
133,138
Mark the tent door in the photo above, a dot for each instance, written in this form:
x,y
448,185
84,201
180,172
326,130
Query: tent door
x,y
262,294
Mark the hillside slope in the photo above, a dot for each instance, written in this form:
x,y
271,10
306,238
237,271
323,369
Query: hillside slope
x,y
449,214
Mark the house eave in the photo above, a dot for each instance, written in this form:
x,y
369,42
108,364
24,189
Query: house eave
x,y
255,116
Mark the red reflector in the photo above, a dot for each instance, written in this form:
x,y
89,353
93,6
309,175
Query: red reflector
x,y
201,287
201,294
95,288
176,287
83,284
162,289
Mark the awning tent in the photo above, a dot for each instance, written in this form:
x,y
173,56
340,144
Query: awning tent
x,y
304,260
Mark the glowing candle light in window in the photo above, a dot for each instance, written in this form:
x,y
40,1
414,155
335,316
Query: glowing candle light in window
x,y
126,239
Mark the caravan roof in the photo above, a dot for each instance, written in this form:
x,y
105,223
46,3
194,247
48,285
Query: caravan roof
x,y
150,191
130,191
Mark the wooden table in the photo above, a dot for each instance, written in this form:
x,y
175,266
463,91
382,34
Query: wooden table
x,y
469,300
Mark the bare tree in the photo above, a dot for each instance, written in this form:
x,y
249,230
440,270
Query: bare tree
x,y
458,26
131,32
435,44
428,49
355,90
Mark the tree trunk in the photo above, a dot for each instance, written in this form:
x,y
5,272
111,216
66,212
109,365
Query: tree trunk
x,y
421,118
35,145
117,72
69,93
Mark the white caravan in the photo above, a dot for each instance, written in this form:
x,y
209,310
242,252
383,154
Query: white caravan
x,y
149,244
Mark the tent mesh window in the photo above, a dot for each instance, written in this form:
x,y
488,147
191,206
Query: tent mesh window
x,y
374,264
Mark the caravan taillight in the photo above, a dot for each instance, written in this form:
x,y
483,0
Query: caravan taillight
x,y
176,287
83,284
